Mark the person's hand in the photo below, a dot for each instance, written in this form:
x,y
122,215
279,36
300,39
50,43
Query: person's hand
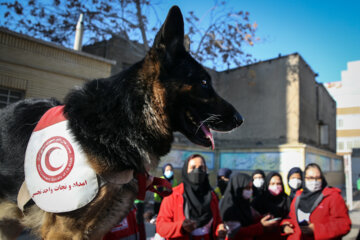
x,y
188,225
307,230
149,181
268,225
287,228
222,231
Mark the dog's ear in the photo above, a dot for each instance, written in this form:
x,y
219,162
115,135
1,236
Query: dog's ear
x,y
171,33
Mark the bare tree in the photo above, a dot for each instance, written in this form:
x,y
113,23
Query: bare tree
x,y
217,43
222,37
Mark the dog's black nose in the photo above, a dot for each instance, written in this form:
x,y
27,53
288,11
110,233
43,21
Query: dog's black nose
x,y
238,120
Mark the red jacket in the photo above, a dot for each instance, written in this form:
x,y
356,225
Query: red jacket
x,y
248,232
127,228
171,215
330,218
256,231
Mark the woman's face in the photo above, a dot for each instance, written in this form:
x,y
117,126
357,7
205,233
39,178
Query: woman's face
x,y
258,175
168,168
196,162
275,181
313,173
295,175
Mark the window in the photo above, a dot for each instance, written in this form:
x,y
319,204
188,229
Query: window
x,y
8,96
340,123
324,134
340,146
356,143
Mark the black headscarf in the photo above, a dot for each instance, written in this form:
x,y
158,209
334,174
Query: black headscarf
x,y
307,198
291,172
197,197
226,172
233,207
258,191
278,206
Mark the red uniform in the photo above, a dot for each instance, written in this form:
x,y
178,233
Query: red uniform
x,y
127,229
330,218
249,232
171,216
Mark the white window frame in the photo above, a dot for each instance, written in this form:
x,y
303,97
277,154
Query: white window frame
x,y
9,95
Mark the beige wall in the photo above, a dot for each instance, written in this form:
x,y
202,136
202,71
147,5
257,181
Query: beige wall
x,y
42,69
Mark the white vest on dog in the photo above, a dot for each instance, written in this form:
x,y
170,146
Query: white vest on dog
x,y
57,173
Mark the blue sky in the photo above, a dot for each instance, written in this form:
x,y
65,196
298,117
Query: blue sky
x,y
325,33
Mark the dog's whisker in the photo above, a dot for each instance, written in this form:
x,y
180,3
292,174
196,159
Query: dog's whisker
x,y
212,117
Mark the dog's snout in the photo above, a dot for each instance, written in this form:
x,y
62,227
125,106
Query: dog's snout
x,y
238,119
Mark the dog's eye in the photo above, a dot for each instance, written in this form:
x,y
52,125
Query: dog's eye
x,y
203,82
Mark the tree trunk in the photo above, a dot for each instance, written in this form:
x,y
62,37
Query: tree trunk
x,y
141,24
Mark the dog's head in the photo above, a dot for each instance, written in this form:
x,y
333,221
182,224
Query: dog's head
x,y
191,103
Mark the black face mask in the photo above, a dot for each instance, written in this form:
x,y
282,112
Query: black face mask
x,y
222,185
197,176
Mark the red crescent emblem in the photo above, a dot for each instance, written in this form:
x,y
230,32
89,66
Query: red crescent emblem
x,y
47,160
68,161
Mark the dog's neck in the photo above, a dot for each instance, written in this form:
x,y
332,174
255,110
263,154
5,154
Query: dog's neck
x,y
121,121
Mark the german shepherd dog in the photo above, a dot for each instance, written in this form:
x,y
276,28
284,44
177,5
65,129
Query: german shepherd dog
x,y
124,122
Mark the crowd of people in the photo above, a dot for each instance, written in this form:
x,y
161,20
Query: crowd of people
x,y
245,207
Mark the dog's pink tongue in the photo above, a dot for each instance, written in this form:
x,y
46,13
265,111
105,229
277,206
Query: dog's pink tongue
x,y
208,135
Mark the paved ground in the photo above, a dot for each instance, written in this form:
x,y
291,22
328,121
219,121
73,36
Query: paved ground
x,y
355,219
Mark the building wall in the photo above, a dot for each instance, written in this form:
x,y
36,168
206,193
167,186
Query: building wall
x,y
124,52
348,129
347,95
41,69
257,91
309,126
326,116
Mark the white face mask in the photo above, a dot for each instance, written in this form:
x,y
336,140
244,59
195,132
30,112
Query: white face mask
x,y
313,185
275,189
295,183
258,182
247,194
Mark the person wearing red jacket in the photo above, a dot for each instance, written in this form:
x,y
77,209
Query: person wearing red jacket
x,y
239,217
191,211
318,211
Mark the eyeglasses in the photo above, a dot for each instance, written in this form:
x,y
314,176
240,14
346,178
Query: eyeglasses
x,y
313,178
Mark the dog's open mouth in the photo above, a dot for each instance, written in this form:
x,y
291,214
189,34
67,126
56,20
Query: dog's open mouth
x,y
196,130
208,135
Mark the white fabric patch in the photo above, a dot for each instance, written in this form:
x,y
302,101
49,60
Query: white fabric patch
x,y
121,226
302,216
57,173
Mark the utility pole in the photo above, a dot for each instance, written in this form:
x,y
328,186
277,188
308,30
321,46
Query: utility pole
x,y
79,33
